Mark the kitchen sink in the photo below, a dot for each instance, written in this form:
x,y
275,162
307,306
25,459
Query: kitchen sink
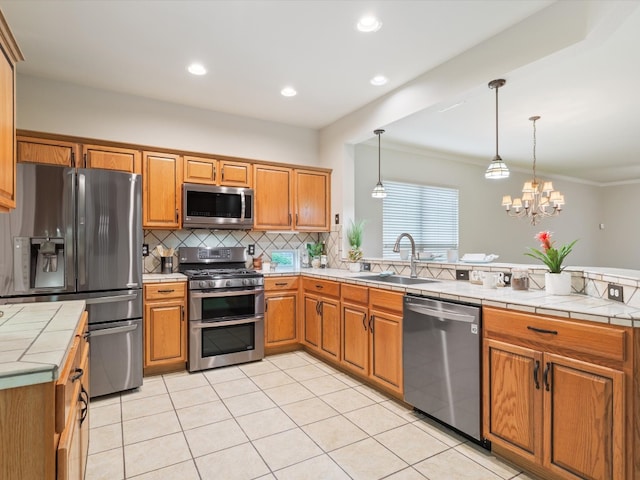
x,y
397,279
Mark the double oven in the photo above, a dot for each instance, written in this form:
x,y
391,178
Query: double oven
x,y
226,307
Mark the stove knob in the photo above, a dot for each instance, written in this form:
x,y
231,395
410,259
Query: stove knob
x,y
212,284
202,283
228,283
245,281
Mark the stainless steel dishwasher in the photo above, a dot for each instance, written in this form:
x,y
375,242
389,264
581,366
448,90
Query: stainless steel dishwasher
x,y
441,360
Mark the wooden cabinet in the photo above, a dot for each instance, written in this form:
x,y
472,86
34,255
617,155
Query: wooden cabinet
x,y
321,320
354,301
162,190
280,312
212,171
112,158
9,55
165,327
554,394
48,151
302,202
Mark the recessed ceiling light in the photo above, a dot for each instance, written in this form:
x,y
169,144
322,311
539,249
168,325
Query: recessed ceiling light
x,y
379,80
369,23
288,92
197,69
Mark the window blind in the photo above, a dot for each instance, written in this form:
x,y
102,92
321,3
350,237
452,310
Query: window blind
x,y
429,214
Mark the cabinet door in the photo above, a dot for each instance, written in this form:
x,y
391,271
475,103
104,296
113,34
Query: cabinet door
x,y
235,174
200,170
162,199
386,349
164,334
330,327
112,158
7,133
355,338
311,321
512,402
312,201
280,319
51,152
584,420
273,202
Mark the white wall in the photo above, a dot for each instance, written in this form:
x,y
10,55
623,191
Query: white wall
x,y
618,242
63,108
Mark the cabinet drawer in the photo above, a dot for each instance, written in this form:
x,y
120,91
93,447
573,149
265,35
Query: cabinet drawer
x,y
385,300
329,288
161,291
354,294
597,340
280,283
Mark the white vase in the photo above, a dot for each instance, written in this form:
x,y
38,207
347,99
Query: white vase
x,y
315,262
557,283
354,267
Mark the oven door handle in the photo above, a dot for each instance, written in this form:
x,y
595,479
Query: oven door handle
x,y
226,323
213,293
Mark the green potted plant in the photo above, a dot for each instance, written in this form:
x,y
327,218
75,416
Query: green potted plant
x,y
315,250
557,282
354,237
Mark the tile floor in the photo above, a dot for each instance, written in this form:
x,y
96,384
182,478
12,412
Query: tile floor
x,y
288,417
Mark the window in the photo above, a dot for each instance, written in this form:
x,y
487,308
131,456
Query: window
x,y
429,214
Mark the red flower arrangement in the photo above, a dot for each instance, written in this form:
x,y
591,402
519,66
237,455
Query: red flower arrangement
x,y
550,256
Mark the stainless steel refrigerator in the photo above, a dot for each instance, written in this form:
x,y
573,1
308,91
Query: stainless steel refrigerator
x,y
77,234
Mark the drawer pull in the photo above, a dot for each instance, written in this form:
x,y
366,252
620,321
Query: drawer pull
x,y
545,376
364,321
371,320
83,398
536,371
281,284
170,290
77,375
542,330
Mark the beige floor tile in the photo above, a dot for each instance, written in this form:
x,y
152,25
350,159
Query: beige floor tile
x,y
487,459
183,471
266,422
143,407
305,372
334,432
367,460
347,400
204,414
309,411
452,464
347,379
375,419
411,443
327,368
268,476
322,467
105,400
146,428
288,360
272,379
233,388
442,433
105,415
286,448
107,465
325,384
143,457
371,393
286,394
407,474
258,368
241,462
224,374
193,396
214,437
409,414
184,380
104,438
150,387
248,403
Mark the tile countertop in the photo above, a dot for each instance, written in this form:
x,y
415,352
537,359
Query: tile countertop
x,y
35,339
163,277
576,306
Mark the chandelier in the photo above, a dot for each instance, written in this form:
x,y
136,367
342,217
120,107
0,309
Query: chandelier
x,y
539,199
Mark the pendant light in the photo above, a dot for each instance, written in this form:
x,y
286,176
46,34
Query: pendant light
x,y
378,190
497,168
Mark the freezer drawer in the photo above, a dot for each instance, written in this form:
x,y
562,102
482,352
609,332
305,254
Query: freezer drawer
x,y
116,356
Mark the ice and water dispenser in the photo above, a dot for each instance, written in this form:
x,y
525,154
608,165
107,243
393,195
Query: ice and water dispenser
x,y
39,263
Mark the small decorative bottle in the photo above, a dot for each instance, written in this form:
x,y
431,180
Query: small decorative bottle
x,y
323,256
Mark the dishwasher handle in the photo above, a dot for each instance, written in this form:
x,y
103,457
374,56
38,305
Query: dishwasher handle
x,y
443,314
112,330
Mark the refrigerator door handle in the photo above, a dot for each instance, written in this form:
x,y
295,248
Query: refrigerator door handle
x,y
112,299
82,211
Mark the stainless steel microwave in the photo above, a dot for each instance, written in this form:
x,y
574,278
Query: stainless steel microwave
x,y
211,206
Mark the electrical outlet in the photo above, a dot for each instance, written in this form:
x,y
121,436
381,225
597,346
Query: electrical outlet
x,y
251,249
366,266
462,274
337,219
145,249
615,292
507,279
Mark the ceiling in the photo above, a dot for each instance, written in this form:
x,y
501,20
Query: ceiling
x,y
586,96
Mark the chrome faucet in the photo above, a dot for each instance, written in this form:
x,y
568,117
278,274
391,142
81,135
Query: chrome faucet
x,y
412,257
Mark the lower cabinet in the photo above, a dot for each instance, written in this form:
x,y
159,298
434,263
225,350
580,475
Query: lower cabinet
x,y
546,404
165,327
372,335
281,312
321,321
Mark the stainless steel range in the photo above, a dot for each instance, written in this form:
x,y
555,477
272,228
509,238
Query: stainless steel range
x,y
226,307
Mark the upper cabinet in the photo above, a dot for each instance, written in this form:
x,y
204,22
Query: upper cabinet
x,y
212,171
291,199
161,191
112,158
9,55
48,151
